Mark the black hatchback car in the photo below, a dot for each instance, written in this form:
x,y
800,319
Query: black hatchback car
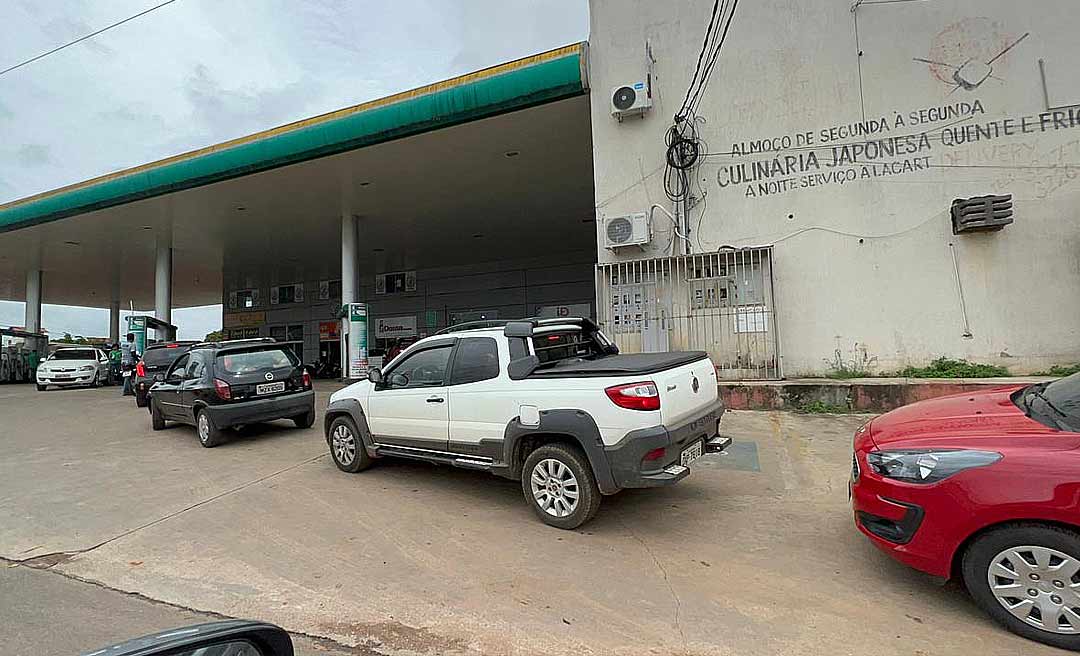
x,y
218,385
156,359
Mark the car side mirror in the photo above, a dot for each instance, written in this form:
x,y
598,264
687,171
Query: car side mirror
x,y
375,375
233,637
159,378
399,380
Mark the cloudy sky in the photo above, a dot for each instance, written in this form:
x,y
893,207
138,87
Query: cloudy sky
x,y
198,72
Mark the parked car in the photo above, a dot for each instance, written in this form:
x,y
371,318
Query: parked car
x,y
218,385
983,486
156,359
551,403
72,366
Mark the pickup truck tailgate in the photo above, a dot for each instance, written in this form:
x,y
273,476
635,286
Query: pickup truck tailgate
x,y
686,390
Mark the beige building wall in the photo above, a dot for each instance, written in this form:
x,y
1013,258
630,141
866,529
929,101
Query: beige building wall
x,y
868,122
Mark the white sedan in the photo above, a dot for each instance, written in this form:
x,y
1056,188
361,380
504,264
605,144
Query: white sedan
x,y
67,367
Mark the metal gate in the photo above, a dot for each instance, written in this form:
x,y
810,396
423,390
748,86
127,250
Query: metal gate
x,y
721,303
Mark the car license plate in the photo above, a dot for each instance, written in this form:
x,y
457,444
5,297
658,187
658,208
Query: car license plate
x,y
690,453
126,374
270,388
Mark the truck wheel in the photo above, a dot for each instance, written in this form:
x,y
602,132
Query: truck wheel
x,y
209,435
157,419
1027,577
347,446
306,420
559,486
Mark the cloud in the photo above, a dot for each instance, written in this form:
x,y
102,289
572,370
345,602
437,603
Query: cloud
x,y
65,28
33,155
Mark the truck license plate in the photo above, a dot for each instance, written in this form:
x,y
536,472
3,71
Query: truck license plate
x,y
270,388
690,454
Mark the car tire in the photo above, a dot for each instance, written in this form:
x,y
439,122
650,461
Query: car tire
x,y
306,420
347,446
552,474
209,434
97,380
42,388
157,419
1039,546
140,400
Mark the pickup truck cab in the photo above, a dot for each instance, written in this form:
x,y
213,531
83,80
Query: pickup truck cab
x,y
549,402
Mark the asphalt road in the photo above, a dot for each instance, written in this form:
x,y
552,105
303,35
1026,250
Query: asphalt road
x,y
754,553
44,613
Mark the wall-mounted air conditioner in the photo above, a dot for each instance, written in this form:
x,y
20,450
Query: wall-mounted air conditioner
x,y
627,230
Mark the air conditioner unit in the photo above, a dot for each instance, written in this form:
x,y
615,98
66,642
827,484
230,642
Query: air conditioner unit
x,y
627,230
632,99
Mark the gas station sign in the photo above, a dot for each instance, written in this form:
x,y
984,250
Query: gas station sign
x,y
358,334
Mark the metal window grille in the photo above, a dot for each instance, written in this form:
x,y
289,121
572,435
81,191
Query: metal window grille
x,y
721,303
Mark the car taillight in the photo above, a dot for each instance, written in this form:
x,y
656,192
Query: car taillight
x,y
655,454
223,390
306,377
635,396
140,369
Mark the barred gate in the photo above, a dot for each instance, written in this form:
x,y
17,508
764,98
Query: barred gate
x,y
721,303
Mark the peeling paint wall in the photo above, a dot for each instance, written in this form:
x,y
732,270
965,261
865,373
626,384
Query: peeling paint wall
x,y
849,164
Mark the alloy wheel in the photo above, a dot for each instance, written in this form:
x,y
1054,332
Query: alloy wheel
x,y
344,444
554,487
1039,586
204,427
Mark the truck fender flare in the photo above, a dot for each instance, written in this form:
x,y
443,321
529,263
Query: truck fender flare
x,y
352,409
577,425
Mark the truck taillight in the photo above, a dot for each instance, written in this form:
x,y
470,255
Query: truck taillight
x,y
140,369
635,396
223,390
306,379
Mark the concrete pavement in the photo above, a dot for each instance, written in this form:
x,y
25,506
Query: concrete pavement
x,y
754,553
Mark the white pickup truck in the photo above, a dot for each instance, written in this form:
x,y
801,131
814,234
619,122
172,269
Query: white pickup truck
x,y
549,402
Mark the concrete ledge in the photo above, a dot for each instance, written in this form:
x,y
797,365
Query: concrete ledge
x,y
856,394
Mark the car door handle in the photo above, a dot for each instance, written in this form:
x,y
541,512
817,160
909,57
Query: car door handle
x,y
435,399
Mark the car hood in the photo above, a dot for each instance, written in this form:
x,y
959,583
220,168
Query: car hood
x,y
67,364
989,413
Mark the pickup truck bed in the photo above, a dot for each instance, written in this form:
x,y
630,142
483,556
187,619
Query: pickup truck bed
x,y
630,364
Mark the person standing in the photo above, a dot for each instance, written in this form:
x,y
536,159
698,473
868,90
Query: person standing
x,y
129,355
115,360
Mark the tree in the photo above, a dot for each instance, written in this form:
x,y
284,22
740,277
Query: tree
x,y
68,339
216,336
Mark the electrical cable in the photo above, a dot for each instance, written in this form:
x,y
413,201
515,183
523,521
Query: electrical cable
x,y
712,63
84,38
701,56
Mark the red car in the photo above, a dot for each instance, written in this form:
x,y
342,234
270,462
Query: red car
x,y
984,486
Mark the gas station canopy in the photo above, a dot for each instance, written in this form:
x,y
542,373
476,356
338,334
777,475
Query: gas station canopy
x,y
492,164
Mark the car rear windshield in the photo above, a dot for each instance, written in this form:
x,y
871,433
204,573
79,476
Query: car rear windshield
x,y
74,354
163,356
250,361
